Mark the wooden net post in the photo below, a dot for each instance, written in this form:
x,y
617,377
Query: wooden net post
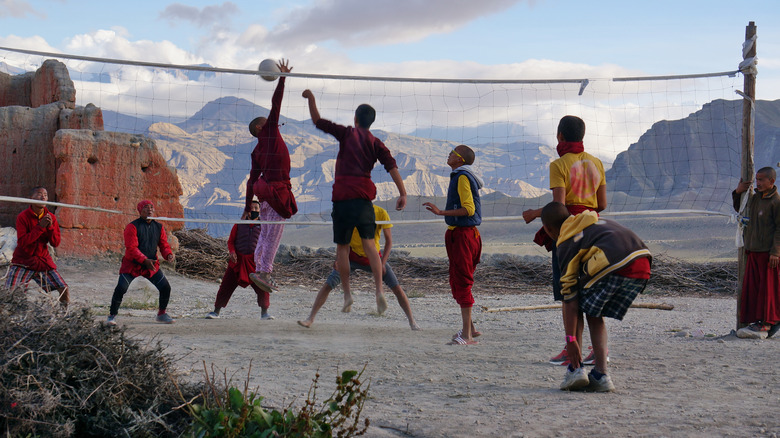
x,y
748,141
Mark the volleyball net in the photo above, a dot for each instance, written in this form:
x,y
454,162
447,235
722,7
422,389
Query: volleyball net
x,y
671,145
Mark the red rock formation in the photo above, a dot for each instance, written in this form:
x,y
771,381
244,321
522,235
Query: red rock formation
x,y
113,171
45,139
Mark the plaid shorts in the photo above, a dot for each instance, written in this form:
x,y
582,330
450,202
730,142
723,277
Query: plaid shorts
x,y
611,296
48,280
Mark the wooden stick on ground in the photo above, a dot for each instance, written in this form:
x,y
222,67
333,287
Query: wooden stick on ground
x,y
656,306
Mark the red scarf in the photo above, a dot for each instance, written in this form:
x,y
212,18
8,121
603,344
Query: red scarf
x,y
573,147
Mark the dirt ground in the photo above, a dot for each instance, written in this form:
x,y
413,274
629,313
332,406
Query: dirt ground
x,y
677,373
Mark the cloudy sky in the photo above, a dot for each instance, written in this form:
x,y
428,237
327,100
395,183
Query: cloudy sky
x,y
436,38
487,39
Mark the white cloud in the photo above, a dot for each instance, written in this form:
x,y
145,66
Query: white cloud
x,y
111,44
18,9
29,43
353,23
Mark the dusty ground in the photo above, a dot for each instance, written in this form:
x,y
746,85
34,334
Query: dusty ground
x,y
677,373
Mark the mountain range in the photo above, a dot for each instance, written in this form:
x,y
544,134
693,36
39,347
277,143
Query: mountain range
x,y
688,163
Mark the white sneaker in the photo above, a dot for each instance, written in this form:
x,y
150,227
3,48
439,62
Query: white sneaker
x,y
604,384
212,315
575,380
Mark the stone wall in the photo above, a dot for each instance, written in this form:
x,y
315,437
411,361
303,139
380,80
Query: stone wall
x,y
46,140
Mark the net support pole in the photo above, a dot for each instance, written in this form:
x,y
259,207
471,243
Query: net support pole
x,y
748,142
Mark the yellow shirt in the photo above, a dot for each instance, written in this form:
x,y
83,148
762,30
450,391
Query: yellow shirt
x,y
356,243
581,175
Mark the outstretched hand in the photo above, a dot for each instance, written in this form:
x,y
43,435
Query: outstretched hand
x,y
432,208
284,65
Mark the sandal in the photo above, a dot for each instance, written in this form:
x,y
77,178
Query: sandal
x,y
457,340
474,334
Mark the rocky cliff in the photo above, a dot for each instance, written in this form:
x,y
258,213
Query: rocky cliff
x,y
45,139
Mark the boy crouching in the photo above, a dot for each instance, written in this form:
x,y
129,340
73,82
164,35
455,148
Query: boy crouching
x,y
604,266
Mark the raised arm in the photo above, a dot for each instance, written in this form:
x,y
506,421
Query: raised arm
x,y
315,114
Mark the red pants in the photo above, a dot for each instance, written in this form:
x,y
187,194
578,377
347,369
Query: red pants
x,y
229,285
464,248
760,300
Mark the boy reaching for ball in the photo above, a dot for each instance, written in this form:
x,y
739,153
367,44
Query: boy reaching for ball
x,y
269,180
353,189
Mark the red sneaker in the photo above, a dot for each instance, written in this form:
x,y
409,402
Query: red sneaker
x,y
591,359
561,359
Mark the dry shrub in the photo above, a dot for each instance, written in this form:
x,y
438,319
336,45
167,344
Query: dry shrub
x,y
200,255
63,374
203,256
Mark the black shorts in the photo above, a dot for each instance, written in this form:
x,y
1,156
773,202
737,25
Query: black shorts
x,y
351,214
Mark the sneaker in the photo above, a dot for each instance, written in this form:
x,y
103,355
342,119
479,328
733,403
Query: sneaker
x,y
575,380
772,330
164,319
266,317
111,320
262,280
755,330
561,359
212,315
591,359
604,384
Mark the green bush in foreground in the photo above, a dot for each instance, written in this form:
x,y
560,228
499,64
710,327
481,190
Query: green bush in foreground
x,y
233,413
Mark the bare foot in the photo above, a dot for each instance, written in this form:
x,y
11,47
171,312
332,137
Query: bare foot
x,y
306,323
414,326
347,305
381,304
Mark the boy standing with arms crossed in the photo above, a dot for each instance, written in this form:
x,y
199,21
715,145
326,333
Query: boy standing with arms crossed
x,y
577,180
760,300
604,266
353,189
463,213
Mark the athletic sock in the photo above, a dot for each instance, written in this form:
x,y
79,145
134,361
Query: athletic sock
x,y
597,375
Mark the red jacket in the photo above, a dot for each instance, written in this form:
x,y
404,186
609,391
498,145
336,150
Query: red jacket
x,y
31,251
141,242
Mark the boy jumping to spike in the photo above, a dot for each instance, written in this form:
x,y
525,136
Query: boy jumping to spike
x,y
353,189
269,180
